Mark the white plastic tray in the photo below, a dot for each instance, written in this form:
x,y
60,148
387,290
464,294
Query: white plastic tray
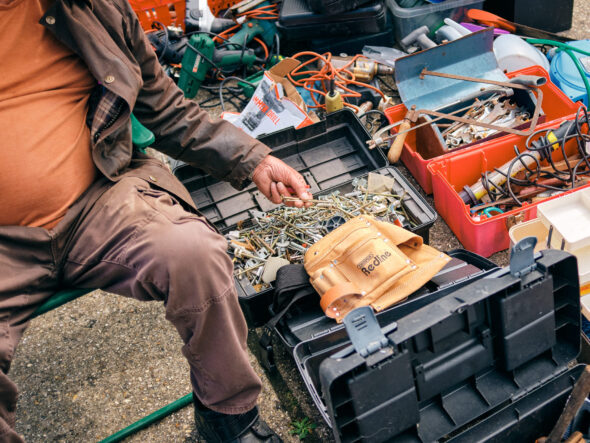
x,y
570,217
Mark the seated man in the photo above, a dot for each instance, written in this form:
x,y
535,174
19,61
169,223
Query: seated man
x,y
80,210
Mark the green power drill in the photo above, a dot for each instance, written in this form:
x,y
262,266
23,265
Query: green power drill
x,y
201,54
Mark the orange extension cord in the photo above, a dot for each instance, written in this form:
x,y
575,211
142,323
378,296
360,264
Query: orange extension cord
x,y
343,77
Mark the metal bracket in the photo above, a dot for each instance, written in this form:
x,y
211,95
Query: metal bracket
x,y
522,257
364,331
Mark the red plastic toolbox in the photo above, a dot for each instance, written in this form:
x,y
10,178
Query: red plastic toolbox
x,y
452,172
555,105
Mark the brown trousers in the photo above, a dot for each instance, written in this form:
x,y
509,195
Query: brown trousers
x,y
135,240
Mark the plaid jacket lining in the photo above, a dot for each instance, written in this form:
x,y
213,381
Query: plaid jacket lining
x,y
104,108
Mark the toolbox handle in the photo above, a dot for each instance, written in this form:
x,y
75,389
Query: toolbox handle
x,y
522,257
366,335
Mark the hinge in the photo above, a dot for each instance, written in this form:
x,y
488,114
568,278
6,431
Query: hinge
x,y
364,331
526,391
522,257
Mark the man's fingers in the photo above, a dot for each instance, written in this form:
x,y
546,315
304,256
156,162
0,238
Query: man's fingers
x,y
275,196
298,185
288,192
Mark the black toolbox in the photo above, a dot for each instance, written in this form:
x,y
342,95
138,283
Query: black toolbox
x,y
298,22
329,154
546,14
350,45
306,321
491,361
334,6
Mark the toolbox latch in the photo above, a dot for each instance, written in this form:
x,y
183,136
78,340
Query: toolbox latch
x,y
364,331
522,257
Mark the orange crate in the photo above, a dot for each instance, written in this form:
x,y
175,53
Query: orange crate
x,y
166,12
452,172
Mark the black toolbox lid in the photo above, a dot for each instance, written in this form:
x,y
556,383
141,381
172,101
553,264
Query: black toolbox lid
x,y
306,322
327,154
447,367
299,13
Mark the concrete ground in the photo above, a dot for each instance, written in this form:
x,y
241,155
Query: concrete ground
x,y
102,362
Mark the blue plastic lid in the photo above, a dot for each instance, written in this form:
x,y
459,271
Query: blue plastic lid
x,y
563,69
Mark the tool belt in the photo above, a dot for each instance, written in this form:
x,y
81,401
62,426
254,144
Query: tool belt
x,y
369,262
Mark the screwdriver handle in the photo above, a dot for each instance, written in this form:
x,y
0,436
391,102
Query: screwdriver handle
x,y
395,151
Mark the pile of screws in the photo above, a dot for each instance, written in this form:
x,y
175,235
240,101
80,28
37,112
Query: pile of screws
x,y
283,235
495,111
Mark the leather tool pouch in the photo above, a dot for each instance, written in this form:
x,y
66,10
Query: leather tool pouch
x,y
369,262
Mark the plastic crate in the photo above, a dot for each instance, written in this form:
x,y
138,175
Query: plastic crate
x,y
555,105
451,173
166,12
408,19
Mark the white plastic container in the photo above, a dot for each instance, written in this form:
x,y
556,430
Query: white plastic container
x,y
567,220
531,228
513,53
431,15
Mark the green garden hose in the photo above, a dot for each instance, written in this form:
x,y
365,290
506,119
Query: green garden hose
x,y
569,50
150,419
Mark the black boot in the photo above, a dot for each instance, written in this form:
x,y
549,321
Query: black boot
x,y
248,427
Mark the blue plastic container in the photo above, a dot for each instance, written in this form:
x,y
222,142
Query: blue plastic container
x,y
566,76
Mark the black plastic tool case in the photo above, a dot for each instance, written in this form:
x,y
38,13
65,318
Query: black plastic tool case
x,y
329,154
306,320
334,6
352,44
487,362
298,22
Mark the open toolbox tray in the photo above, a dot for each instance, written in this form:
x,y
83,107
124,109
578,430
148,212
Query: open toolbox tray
x,y
255,304
306,320
418,150
489,361
329,154
451,173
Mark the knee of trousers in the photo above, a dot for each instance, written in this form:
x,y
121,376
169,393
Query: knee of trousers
x,y
190,265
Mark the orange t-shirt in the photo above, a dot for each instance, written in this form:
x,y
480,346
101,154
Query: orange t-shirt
x,y
46,163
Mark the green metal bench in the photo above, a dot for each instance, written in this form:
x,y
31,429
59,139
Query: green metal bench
x,y
142,138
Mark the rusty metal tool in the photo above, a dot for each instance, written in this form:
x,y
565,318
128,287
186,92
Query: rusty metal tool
x,y
378,138
574,402
526,83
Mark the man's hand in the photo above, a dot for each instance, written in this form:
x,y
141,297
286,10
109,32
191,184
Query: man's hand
x,y
275,179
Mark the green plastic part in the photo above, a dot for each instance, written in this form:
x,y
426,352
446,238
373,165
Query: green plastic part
x,y
61,298
150,419
142,137
254,80
196,62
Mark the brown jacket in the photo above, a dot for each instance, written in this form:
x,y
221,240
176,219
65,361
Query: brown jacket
x,y
108,37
